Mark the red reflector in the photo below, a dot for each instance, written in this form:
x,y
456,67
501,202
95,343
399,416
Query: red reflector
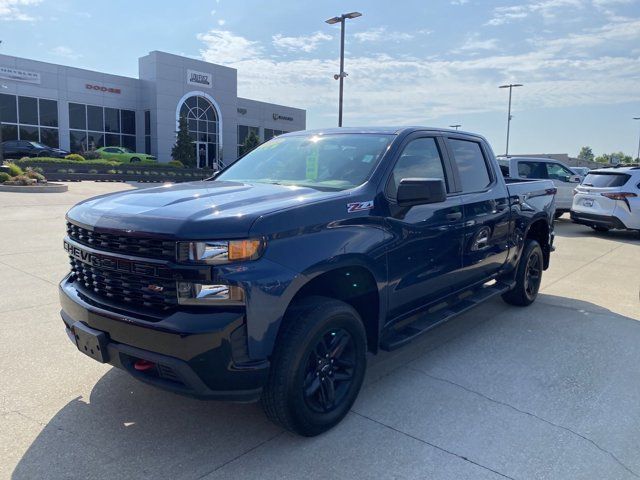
x,y
143,365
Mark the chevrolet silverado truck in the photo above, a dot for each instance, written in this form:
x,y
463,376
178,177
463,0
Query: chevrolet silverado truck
x,y
276,278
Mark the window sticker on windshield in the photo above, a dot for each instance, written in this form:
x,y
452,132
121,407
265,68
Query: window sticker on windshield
x,y
359,206
312,165
367,159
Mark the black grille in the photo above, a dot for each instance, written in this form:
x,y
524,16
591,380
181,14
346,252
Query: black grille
x,y
137,246
125,288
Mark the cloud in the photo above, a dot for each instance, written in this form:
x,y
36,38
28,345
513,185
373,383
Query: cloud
x,y
381,33
412,90
304,43
548,9
221,22
13,9
65,52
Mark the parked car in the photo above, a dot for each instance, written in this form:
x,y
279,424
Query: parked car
x,y
274,278
609,198
582,171
25,148
563,178
123,154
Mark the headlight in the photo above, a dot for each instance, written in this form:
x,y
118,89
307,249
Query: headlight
x,y
201,294
219,252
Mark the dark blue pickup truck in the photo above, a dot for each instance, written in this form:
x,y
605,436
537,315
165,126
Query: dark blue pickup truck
x,y
274,279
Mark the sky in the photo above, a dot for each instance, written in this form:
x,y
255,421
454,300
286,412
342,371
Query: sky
x,y
409,62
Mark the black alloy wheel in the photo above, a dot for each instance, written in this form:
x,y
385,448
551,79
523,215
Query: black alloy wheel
x,y
329,371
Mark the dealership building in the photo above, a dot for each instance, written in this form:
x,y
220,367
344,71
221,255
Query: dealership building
x,y
78,110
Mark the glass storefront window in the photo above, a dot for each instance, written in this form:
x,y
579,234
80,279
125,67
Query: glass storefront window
x,y
94,118
28,110
48,113
128,122
95,140
29,133
8,108
78,140
129,141
112,120
77,116
202,123
9,132
147,122
111,140
49,136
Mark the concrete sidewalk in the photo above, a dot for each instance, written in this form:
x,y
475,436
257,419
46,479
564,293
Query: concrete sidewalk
x,y
549,391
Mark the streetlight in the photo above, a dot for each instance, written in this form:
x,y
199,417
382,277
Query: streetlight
x,y
638,156
1,149
456,126
510,86
342,73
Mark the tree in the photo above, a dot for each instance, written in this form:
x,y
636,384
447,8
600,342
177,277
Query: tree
x,y
184,150
586,154
251,142
614,158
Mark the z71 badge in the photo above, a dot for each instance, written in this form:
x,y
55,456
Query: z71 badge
x,y
359,206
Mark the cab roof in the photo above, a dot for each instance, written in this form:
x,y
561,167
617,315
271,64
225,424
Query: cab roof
x,y
388,130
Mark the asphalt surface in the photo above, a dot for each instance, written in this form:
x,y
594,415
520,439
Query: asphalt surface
x,y
550,391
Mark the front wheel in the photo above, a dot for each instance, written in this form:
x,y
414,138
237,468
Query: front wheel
x,y
135,160
317,367
528,276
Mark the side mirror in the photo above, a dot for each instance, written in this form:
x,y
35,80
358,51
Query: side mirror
x,y
574,179
420,191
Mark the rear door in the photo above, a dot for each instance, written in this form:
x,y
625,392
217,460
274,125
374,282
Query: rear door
x,y
426,255
485,201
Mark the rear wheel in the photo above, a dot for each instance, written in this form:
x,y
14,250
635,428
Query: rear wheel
x,y
135,160
599,229
317,367
528,276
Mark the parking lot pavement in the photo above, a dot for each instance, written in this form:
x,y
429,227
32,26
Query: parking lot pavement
x,y
549,391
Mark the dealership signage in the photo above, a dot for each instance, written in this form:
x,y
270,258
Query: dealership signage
x,y
277,116
201,79
19,75
242,111
102,88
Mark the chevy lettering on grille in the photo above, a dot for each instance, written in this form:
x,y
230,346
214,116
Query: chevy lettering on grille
x,y
116,264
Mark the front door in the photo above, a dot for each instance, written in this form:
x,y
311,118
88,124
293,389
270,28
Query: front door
x,y
426,255
202,154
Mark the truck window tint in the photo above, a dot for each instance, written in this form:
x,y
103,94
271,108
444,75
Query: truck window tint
x,y
471,165
532,170
419,159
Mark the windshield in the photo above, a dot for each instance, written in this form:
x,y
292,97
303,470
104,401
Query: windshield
x,y
38,145
332,162
126,150
603,180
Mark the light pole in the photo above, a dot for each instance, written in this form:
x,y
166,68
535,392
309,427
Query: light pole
x,y
638,156
510,86
456,126
342,73
1,149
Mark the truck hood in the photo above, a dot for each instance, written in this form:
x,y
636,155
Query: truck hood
x,y
196,210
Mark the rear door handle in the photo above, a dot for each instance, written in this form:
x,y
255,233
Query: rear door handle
x,y
452,217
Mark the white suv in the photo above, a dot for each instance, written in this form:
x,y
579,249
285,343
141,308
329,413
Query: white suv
x,y
608,198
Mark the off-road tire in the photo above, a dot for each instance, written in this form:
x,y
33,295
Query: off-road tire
x,y
524,293
305,325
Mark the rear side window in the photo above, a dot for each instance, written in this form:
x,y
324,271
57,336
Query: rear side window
x,y
603,180
472,166
532,170
420,159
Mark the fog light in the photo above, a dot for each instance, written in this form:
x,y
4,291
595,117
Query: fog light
x,y
205,294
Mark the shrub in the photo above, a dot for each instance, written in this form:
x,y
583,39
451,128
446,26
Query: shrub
x,y
62,170
75,157
21,180
36,176
171,174
70,170
4,177
112,172
176,164
34,169
153,173
93,171
14,170
91,155
130,172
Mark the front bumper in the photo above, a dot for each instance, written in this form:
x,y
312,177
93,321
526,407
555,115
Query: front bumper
x,y
593,220
200,354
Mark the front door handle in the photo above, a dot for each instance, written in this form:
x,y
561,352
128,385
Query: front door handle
x,y
452,217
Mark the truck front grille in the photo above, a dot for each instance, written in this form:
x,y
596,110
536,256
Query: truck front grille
x,y
125,288
123,244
